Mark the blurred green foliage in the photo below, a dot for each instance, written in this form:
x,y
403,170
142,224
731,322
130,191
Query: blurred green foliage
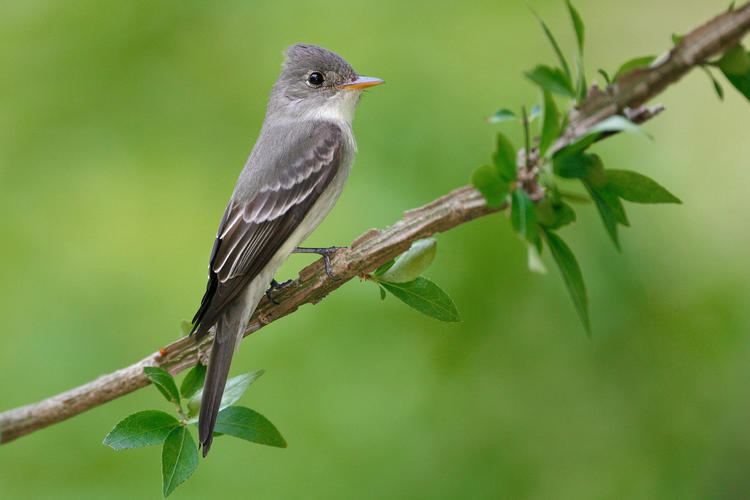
x,y
123,126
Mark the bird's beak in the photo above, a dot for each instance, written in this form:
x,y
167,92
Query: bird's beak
x,y
360,83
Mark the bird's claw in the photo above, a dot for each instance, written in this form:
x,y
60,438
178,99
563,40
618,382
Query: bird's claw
x,y
325,253
275,285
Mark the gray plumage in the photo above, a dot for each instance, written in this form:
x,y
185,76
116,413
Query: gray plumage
x,y
292,179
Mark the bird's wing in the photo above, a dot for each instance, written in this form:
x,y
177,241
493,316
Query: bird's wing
x,y
255,227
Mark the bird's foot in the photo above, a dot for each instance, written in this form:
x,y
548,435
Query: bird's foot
x,y
326,253
275,285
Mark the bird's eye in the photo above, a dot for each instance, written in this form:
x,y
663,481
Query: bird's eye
x,y
315,79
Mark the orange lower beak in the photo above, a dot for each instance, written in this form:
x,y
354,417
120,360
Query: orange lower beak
x,y
361,82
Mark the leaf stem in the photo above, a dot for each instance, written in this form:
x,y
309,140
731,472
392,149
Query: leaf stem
x,y
526,137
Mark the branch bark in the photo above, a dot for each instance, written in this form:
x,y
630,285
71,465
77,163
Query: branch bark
x,y
375,247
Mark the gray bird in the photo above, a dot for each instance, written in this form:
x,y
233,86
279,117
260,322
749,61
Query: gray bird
x,y
292,179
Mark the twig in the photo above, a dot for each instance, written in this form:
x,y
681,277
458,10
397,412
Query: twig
x,y
374,248
636,87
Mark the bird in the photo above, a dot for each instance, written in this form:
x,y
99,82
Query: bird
x,y
292,179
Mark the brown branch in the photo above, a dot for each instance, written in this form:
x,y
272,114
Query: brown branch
x,y
636,87
377,247
364,255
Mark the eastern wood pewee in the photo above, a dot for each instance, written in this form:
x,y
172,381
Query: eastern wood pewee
x,y
294,175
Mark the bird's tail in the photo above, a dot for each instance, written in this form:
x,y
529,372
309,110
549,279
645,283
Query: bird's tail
x,y
224,344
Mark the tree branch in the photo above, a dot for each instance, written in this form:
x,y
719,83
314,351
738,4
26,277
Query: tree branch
x,y
636,87
373,248
365,254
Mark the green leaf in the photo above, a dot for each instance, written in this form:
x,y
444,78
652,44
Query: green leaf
x,y
735,61
717,86
555,46
611,198
565,214
249,425
578,26
610,125
411,264
179,459
502,115
572,276
552,80
382,292
616,123
741,83
589,168
581,86
576,166
534,113
384,267
186,327
163,381
236,387
550,124
605,75
610,210
576,147
504,158
144,428
526,132
574,197
638,62
233,390
735,64
638,188
193,380
523,216
677,38
580,30
554,215
426,297
535,261
493,187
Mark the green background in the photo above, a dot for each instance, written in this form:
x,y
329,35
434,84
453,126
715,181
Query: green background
x,y
123,126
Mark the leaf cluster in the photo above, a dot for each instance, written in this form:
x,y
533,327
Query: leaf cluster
x,y
179,452
530,183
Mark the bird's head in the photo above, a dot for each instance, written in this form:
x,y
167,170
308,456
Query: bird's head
x,y
316,83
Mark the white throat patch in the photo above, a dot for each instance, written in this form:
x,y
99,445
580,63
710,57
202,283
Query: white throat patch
x,y
339,108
